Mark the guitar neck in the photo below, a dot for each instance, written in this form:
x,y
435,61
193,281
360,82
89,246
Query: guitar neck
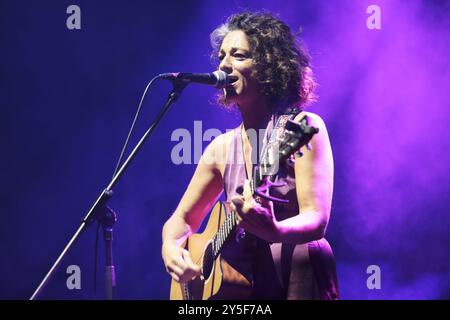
x,y
224,232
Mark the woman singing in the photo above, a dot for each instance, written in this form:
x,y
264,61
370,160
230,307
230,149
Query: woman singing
x,y
283,254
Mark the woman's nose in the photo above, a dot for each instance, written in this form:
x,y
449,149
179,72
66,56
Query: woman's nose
x,y
226,66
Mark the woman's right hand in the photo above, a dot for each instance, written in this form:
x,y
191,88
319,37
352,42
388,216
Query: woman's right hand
x,y
178,262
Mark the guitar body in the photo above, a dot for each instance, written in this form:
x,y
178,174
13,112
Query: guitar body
x,y
223,281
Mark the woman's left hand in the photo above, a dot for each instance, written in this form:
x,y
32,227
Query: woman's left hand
x,y
256,216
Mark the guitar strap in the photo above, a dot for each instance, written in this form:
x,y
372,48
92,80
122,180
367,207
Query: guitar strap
x,y
285,252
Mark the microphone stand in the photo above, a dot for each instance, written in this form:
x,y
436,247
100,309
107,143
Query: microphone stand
x,y
102,213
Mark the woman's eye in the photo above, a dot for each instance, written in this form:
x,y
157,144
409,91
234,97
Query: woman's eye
x,y
240,56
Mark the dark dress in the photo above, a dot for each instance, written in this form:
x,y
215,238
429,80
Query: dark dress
x,y
277,270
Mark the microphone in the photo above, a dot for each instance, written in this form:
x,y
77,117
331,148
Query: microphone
x,y
219,79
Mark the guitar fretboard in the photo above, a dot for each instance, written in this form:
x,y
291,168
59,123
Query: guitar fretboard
x,y
224,232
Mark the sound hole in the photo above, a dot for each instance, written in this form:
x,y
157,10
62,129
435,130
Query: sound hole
x,y
208,261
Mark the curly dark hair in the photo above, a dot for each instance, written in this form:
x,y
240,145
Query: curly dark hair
x,y
282,64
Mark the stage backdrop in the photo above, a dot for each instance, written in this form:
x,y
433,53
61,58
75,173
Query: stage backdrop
x,y
70,81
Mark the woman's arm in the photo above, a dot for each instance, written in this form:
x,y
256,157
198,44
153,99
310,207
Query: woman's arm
x,y
205,187
314,187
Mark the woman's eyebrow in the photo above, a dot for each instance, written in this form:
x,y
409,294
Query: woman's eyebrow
x,y
234,49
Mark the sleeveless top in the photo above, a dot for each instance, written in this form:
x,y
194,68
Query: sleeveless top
x,y
278,270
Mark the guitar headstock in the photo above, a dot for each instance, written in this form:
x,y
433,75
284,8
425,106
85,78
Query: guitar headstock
x,y
295,136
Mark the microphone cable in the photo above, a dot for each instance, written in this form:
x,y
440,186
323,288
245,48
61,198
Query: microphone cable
x,y
132,125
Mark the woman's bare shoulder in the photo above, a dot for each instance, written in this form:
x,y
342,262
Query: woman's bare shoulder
x,y
313,119
321,140
216,152
222,140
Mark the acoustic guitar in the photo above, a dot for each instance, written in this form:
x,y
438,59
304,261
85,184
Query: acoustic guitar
x,y
219,279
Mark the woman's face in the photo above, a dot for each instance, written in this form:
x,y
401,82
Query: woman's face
x,y
235,59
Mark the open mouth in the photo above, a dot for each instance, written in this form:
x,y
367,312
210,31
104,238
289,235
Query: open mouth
x,y
232,79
